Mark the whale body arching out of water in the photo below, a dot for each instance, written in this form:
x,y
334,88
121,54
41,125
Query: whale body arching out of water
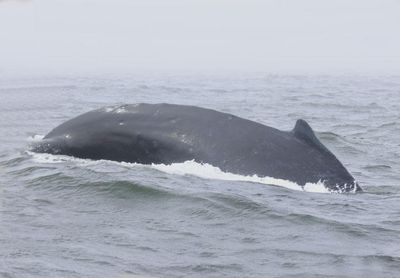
x,y
168,133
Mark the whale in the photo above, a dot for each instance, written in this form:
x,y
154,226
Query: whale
x,y
170,133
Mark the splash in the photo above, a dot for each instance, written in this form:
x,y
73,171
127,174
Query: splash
x,y
208,171
192,168
35,138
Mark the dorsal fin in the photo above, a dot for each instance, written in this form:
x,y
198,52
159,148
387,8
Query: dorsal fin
x,y
303,131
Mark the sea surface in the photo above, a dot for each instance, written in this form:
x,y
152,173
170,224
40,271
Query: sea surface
x,y
66,217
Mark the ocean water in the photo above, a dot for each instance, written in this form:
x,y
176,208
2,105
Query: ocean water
x,y
66,217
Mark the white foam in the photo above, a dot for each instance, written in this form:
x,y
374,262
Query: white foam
x,y
51,158
208,171
193,168
35,138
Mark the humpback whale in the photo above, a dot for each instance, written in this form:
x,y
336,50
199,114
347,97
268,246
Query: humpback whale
x,y
169,133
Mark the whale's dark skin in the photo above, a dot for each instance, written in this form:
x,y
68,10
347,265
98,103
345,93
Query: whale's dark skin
x,y
167,133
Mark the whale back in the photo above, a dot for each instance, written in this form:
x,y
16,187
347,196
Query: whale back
x,y
167,133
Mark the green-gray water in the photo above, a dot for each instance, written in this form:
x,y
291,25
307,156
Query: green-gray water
x,y
75,218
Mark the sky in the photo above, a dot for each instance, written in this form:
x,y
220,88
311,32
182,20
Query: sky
x,y
272,36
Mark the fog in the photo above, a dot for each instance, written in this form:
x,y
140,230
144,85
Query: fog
x,y
121,36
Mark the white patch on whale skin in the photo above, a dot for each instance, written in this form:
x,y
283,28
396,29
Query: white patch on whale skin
x,y
188,140
118,109
192,168
185,139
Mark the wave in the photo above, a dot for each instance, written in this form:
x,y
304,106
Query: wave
x,y
191,168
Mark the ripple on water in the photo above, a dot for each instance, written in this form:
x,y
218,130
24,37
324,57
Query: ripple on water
x,y
78,218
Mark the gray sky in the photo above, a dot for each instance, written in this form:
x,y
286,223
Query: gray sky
x,y
293,36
